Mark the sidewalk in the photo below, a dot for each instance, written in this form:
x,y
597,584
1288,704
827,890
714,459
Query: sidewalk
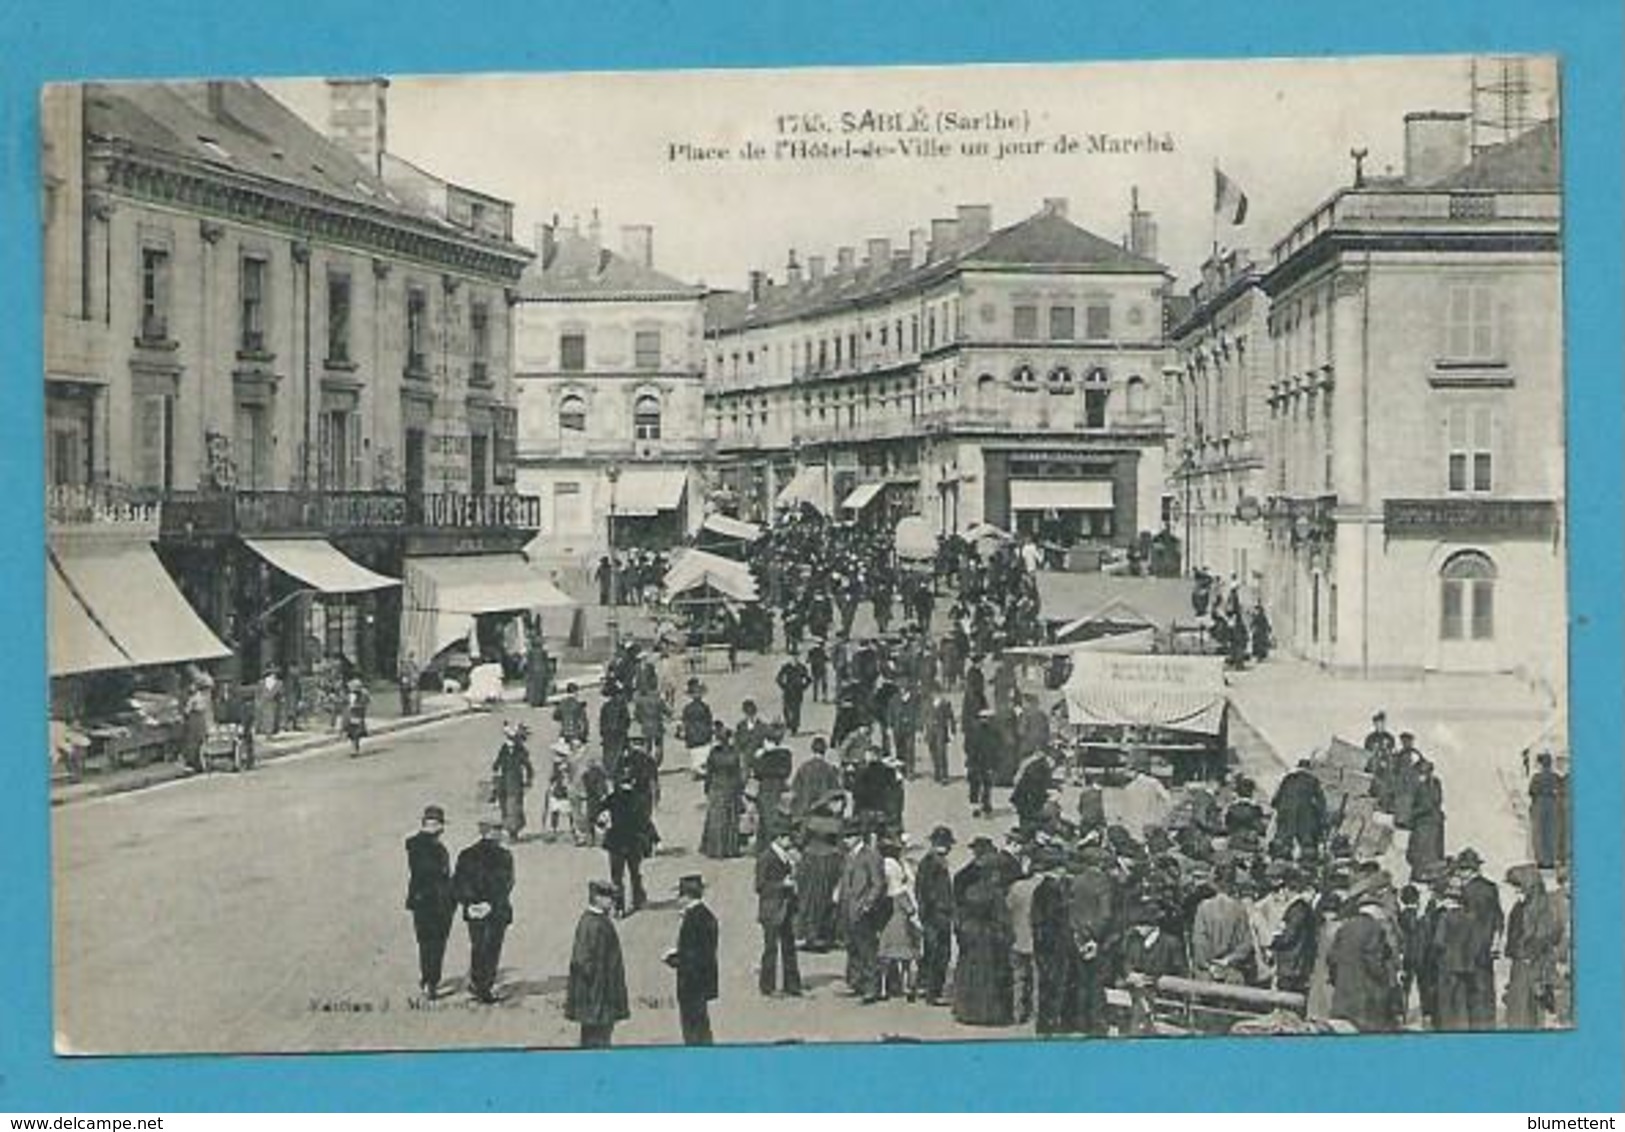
x,y
383,719
1474,728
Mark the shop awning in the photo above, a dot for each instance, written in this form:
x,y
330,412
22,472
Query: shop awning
x,y
1061,495
861,496
729,527
319,565
649,491
1183,693
77,643
445,594
806,486
695,570
137,603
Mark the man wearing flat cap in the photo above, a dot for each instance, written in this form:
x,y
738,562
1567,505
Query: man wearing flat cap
x,y
484,882
430,896
695,961
596,997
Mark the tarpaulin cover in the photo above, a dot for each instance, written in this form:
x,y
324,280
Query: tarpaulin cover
x,y
1182,693
138,605
861,496
729,527
693,570
444,594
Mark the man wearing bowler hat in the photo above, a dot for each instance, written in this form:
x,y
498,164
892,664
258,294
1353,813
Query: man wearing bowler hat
x,y
430,896
483,883
596,997
695,961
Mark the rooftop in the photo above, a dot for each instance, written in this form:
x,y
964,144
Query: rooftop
x,y
575,266
239,128
1529,163
1043,241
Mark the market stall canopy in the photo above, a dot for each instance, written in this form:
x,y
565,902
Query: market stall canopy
x,y
649,491
1115,618
134,604
444,594
694,570
320,565
806,486
915,539
981,532
1136,642
861,496
77,643
1182,693
729,527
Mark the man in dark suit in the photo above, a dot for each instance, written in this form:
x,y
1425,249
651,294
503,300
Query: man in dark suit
x,y
629,838
596,997
430,896
483,883
934,893
776,912
1482,900
695,961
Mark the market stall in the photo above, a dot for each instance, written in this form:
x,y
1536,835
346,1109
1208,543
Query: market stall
x,y
1172,709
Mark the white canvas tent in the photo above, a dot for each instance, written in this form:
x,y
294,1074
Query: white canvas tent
x,y
1181,693
694,571
915,540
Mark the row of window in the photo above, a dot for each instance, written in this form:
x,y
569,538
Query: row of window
x,y
252,317
573,350
1062,323
645,416
876,341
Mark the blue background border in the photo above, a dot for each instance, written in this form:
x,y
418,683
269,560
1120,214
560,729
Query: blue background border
x,y
1583,1070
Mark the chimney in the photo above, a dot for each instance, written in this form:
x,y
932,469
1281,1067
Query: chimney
x,y
638,243
357,118
918,249
815,269
1142,230
1437,144
844,260
944,238
792,270
546,241
975,224
901,260
879,256
595,231
1055,206
758,282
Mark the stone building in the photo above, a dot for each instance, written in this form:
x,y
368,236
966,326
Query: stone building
x,y
610,394
302,367
1009,376
1216,398
1415,475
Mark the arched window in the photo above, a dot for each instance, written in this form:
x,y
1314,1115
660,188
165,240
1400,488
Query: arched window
x,y
646,417
1467,597
573,413
1024,379
985,384
1060,381
1136,394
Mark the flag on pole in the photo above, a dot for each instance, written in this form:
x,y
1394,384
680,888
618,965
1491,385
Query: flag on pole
x,y
1229,202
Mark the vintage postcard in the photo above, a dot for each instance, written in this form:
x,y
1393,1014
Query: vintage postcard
x,y
897,554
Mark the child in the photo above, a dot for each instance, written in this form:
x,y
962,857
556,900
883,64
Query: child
x,y
558,796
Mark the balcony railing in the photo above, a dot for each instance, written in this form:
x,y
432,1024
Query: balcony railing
x,y
1375,210
340,512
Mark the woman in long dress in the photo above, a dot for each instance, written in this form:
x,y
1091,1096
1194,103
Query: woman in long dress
x,y
900,936
818,875
982,979
1532,940
1426,845
514,775
724,799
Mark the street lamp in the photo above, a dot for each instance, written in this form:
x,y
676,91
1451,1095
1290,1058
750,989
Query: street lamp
x,y
613,475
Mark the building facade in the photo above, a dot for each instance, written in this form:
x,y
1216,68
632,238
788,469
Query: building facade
x,y
610,395
1415,478
1216,398
286,355
1007,376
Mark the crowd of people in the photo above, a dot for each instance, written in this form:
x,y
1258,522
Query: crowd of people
x,y
1071,922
